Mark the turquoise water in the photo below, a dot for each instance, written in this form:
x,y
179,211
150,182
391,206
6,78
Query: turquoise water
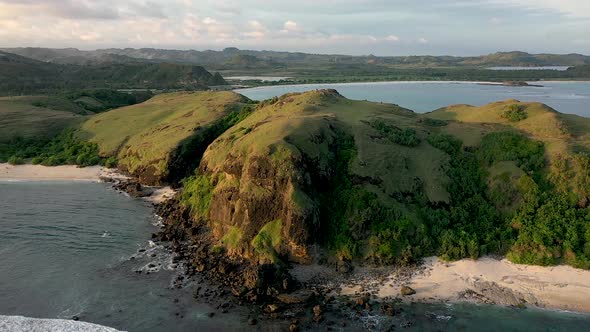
x,y
566,97
65,251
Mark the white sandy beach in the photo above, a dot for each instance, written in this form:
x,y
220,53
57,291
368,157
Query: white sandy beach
x,y
44,173
74,173
498,281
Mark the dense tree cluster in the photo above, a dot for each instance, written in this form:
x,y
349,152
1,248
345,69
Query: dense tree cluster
x,y
547,226
406,137
64,149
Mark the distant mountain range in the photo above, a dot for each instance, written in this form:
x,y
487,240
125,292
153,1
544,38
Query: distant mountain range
x,y
236,58
46,70
23,75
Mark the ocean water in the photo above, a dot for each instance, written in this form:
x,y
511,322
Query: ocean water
x,y
421,97
65,251
558,68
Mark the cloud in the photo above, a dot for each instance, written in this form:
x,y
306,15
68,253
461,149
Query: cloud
x,y
392,38
291,26
341,26
257,30
69,9
209,21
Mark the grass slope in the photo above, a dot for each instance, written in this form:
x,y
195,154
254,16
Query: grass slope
x,y
144,136
278,164
19,118
562,133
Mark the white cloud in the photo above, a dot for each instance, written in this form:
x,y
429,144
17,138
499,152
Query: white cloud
x,y
392,38
90,36
340,26
209,21
257,30
291,26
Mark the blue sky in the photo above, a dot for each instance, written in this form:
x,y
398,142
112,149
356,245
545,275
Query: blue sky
x,y
381,27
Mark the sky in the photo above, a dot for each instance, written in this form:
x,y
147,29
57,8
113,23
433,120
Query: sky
x,y
357,27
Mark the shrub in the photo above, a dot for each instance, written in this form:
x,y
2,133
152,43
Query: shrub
x,y
15,160
511,146
434,122
405,137
446,143
515,113
110,162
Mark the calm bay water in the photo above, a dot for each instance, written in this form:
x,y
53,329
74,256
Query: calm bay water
x,y
65,251
566,97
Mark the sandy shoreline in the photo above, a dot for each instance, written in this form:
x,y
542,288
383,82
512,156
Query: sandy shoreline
x,y
74,173
486,280
44,173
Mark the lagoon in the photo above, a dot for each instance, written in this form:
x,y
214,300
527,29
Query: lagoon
x,y
421,97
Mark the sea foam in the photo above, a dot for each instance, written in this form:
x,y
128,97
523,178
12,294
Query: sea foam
x,y
27,324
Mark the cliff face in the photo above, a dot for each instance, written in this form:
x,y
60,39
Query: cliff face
x,y
263,171
270,178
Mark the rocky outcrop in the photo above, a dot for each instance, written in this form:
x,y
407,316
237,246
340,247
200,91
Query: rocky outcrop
x,y
260,181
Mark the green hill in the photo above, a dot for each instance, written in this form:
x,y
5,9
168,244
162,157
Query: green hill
x,y
378,183
148,139
562,133
42,117
20,118
367,182
23,76
547,198
282,162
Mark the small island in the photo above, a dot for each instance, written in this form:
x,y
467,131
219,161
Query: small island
x,y
513,83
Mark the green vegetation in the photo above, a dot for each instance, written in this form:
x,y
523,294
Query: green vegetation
x,y
545,208
406,137
24,76
162,139
101,100
511,146
232,238
21,120
197,194
267,240
515,113
43,117
64,149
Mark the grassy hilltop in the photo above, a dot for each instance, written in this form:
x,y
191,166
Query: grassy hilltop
x,y
29,123
156,140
